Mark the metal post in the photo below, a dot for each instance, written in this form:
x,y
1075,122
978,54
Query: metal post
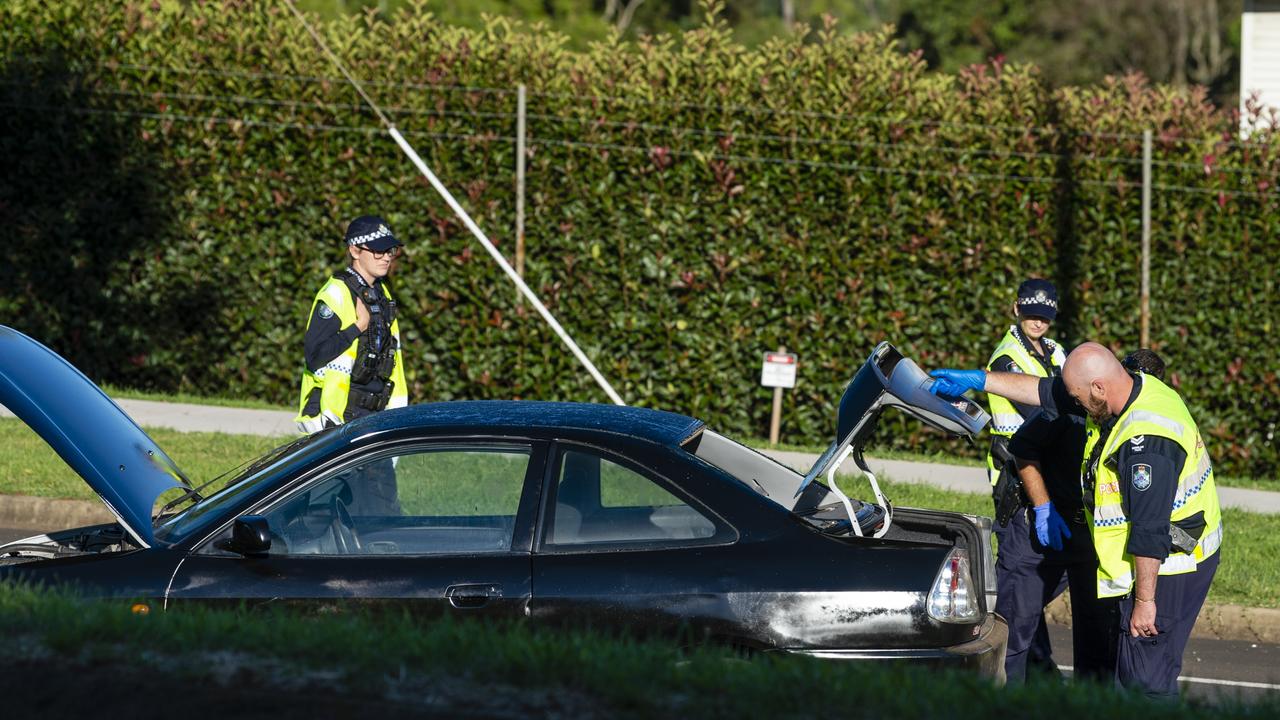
x,y
520,129
775,419
1145,334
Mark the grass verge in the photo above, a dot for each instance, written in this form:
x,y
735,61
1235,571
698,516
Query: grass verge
x,y
28,466
508,669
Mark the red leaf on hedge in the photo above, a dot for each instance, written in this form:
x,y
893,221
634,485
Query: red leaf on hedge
x,y
660,156
1222,199
1233,369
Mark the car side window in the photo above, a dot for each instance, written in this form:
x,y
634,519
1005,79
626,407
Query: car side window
x,y
421,501
598,500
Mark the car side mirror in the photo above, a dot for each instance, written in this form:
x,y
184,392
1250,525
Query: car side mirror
x,y
250,536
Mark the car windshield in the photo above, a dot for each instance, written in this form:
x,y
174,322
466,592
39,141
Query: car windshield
x,y
226,488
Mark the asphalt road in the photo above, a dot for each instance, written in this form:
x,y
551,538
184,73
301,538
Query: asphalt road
x,y
1213,670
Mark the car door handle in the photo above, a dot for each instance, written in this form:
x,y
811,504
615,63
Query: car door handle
x,y
474,595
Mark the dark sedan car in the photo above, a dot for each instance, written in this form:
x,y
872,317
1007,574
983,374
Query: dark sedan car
x,y
560,513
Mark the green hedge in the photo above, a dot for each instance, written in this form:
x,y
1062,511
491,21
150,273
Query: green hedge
x,y
681,216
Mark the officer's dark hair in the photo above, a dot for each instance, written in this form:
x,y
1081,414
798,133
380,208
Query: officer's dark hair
x,y
1146,361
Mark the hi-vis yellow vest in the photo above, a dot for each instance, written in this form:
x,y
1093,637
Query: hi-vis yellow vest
x,y
1005,419
1156,411
334,379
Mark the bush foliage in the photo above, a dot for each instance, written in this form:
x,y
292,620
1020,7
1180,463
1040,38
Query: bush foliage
x,y
179,176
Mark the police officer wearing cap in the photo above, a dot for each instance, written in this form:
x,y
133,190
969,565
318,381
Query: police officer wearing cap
x,y
1026,583
1150,496
353,362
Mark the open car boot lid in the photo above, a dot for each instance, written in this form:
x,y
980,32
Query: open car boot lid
x,y
886,379
88,430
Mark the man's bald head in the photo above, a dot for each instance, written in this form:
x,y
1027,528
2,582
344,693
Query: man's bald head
x,y
1097,380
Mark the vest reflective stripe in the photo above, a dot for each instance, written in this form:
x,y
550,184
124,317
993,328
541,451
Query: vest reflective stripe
x,y
1182,563
1005,418
1193,483
1114,587
1179,563
1108,515
1005,423
334,379
1156,411
1147,416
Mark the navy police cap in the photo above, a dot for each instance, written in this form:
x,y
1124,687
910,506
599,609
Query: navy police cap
x,y
1038,297
371,232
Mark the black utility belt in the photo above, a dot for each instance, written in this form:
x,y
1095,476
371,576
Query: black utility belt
x,y
370,364
371,401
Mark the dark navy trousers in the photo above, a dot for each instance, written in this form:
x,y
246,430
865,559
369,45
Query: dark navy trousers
x,y
1029,577
1025,583
1152,664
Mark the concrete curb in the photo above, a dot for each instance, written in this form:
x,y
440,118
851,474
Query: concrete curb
x,y
41,513
1216,622
1219,622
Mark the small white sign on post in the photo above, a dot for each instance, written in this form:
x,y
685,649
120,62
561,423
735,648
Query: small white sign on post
x,y
779,370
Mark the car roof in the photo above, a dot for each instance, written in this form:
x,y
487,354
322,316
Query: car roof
x,y
522,416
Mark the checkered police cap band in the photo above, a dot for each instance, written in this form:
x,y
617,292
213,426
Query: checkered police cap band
x,y
1040,299
381,232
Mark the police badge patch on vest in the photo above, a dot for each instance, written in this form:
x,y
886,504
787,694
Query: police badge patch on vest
x,y
325,312
1141,475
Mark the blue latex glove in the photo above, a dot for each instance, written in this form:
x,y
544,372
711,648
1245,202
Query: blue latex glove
x,y
952,384
1050,527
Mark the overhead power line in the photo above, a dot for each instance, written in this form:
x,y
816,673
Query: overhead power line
x,y
1259,140
708,155
597,122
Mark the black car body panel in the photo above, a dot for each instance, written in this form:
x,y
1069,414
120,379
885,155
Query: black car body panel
x,y
565,514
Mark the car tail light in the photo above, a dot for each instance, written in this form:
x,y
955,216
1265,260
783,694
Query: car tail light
x,y
952,598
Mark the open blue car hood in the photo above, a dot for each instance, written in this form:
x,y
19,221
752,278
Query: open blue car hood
x,y
91,433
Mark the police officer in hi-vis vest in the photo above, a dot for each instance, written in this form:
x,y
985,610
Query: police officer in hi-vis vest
x,y
1023,584
1049,449
1149,493
353,361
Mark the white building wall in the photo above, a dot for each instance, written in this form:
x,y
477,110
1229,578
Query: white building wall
x,y
1260,54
